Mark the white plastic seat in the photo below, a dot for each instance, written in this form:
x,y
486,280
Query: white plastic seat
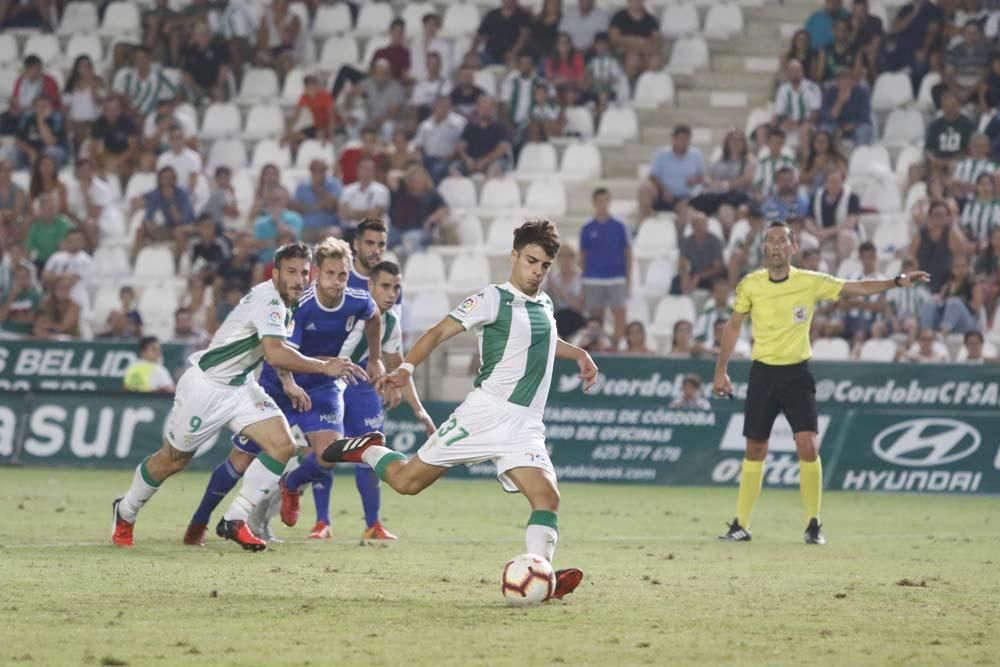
x,y
659,275
121,19
425,309
468,269
657,237
424,270
78,18
469,229
850,268
10,54
153,264
110,266
500,195
891,237
221,120
460,18
652,90
373,19
313,149
863,158
925,98
581,162
546,196
500,235
260,85
537,159
892,90
485,80
669,311
89,44
158,301
269,151
679,20
688,55
139,184
413,16
264,122
907,157
878,349
338,50
332,20
293,87
45,46
903,127
637,309
579,120
231,153
618,125
458,191
723,21
831,349
756,118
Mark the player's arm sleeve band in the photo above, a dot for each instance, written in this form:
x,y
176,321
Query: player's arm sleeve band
x,y
464,326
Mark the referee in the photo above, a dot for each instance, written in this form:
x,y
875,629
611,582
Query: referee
x,y
780,301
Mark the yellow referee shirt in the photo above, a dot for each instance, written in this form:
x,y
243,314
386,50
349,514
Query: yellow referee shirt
x,y
781,312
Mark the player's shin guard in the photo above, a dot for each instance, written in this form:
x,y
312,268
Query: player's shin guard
x,y
321,496
542,534
308,471
142,489
811,486
222,481
379,458
371,492
750,482
260,480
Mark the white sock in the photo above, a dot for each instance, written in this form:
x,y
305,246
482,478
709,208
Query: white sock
x,y
138,494
541,540
258,484
373,455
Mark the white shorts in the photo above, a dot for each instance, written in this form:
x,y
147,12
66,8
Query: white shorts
x,y
202,407
483,429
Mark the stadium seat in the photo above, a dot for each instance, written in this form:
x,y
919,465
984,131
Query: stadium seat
x,y
260,85
637,309
426,309
500,195
153,264
468,229
78,18
459,192
659,274
579,121
110,266
679,20
878,349
537,159
892,91
618,125
909,156
460,18
332,20
139,184
863,158
759,116
221,121
46,47
723,21
903,127
313,149
121,20
831,349
714,228
413,15
500,235
424,270
688,55
338,50
468,270
373,19
657,237
890,238
652,90
292,88
546,196
10,55
89,44
581,162
265,121
485,79
850,268
158,301
270,151
925,99
669,310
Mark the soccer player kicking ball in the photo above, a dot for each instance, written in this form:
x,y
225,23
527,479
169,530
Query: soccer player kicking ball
x,y
780,300
501,419
219,389
323,318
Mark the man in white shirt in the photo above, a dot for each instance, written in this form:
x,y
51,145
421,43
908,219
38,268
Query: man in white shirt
x,y
427,89
429,42
583,23
797,104
185,161
365,198
156,127
516,90
438,136
70,259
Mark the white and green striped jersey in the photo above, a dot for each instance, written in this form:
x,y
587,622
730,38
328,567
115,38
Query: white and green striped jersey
x,y
798,104
768,167
356,344
517,343
144,94
978,218
235,349
969,169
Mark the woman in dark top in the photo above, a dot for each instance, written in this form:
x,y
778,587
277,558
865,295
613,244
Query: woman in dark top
x,y
936,243
822,157
801,50
952,309
45,180
544,30
989,261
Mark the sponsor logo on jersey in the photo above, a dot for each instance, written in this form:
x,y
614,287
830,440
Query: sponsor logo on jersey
x,y
274,302
466,307
311,326
350,323
331,418
926,442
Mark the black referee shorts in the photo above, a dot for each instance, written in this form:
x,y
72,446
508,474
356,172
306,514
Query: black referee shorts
x,y
773,389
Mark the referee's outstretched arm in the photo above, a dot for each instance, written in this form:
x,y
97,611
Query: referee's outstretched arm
x,y
721,384
869,287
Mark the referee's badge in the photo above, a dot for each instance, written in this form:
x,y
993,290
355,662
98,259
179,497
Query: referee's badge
x,y
799,314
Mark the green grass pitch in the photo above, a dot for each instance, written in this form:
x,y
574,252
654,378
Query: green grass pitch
x,y
905,580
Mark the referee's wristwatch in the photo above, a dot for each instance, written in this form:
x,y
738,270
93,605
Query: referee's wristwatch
x,y
900,277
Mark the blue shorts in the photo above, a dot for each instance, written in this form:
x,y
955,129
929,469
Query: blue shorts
x,y
327,414
362,410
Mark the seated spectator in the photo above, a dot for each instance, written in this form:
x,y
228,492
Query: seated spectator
x,y
242,269
606,258
963,182
484,147
801,50
276,218
673,175
717,307
701,259
952,308
746,250
429,87
936,242
924,351
45,181
438,137
988,262
169,215
847,110
186,333
502,34
635,340
862,312
822,157
205,67
317,202
417,211
84,93
772,160
161,33
156,128
604,80
281,38
989,94
636,36
820,23
396,54
40,131
833,215
546,118
973,341
382,98
729,180
867,36
115,140
62,313
19,304
47,231
238,27
185,162
88,204
691,397
808,246
981,215
785,202
268,181
947,137
70,260
544,30
13,201
365,198
797,104
208,250
582,23
592,337
740,351
38,15
838,56
429,42
117,329
128,307
465,95
148,374
565,287
516,92
222,205
967,64
400,157
29,86
144,84
682,341
230,299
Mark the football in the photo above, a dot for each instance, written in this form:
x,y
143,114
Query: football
x,y
527,580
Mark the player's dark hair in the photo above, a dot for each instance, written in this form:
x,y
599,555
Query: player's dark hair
x,y
867,246
681,129
692,379
600,191
397,23
145,342
370,225
297,250
32,61
781,224
385,266
774,131
540,232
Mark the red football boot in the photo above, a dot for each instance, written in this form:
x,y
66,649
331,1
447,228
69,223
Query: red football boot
x,y
289,504
321,531
566,582
349,450
121,533
239,532
378,532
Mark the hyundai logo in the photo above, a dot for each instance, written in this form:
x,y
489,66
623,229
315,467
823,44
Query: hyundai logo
x,y
926,442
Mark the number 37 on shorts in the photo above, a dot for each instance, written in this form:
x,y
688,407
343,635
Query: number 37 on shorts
x,y
450,432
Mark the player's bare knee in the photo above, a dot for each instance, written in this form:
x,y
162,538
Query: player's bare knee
x,y
756,450
805,447
240,460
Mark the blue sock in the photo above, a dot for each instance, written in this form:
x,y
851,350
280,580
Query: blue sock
x,y
223,479
309,470
321,496
371,492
